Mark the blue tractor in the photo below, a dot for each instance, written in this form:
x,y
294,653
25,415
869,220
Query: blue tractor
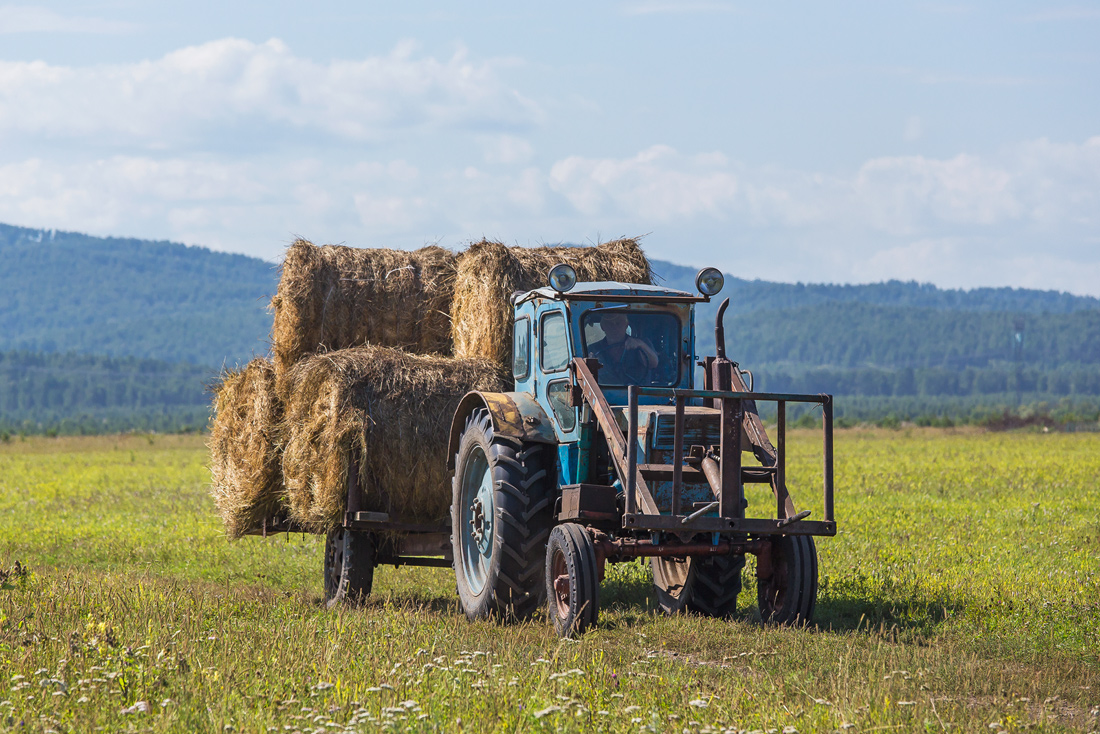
x,y
606,451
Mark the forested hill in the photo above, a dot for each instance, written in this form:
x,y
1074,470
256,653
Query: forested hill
x,y
69,292
761,295
894,324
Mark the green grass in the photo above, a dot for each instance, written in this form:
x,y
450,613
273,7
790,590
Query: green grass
x,y
963,591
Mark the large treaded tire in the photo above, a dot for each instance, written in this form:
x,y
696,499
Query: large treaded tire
x,y
789,595
707,586
348,567
504,576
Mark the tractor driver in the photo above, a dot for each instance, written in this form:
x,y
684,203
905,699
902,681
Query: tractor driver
x,y
623,358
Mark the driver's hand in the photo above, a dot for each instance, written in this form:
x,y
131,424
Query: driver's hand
x,y
633,342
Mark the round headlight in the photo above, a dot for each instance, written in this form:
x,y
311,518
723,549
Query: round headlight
x,y
710,281
562,277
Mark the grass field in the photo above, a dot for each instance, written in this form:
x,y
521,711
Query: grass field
x,y
962,594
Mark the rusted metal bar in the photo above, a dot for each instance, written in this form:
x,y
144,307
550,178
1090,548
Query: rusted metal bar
x,y
713,473
827,421
693,475
631,449
664,472
677,455
780,486
731,492
363,521
615,441
354,502
743,394
622,549
758,526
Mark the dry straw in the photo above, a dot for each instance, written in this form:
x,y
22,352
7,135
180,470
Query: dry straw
x,y
245,445
395,410
489,272
333,297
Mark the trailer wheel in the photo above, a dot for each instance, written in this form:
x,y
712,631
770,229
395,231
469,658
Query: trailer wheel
x,y
572,581
349,566
500,520
707,586
788,595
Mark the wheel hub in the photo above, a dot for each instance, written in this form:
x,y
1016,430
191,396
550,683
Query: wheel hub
x,y
477,521
562,587
481,518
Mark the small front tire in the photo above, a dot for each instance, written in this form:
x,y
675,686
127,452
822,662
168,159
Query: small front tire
x,y
787,595
572,580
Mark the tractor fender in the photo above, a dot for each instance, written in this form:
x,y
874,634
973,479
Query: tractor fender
x,y
514,414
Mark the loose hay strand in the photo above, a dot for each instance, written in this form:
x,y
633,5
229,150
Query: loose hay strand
x,y
489,272
245,445
395,409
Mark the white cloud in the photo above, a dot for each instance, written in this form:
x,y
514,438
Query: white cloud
x,y
658,181
33,19
1039,184
236,86
1029,216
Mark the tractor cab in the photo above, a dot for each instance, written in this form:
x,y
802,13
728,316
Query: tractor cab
x,y
638,334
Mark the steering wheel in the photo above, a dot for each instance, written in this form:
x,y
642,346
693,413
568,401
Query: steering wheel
x,y
634,366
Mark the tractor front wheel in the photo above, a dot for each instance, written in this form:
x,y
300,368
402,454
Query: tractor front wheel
x,y
572,579
786,590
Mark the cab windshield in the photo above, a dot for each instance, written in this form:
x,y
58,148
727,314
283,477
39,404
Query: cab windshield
x,y
633,347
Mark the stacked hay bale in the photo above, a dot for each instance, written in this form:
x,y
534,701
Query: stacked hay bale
x,y
490,272
333,297
390,408
361,371
245,448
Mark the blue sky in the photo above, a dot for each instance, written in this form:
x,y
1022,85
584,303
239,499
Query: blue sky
x,y
957,144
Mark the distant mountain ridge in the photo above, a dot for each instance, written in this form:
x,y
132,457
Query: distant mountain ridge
x,y
70,292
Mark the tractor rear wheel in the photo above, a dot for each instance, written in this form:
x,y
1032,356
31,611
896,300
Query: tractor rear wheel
x,y
349,566
500,520
572,580
788,594
707,586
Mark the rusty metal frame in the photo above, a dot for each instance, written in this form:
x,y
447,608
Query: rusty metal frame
x,y
727,478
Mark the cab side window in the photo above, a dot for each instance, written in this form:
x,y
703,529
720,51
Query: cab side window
x,y
553,342
521,349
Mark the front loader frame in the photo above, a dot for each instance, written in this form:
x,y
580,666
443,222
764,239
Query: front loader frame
x,y
721,468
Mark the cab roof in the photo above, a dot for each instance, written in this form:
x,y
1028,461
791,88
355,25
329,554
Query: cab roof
x,y
610,290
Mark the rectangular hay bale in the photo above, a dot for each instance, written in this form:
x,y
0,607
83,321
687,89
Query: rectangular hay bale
x,y
245,448
332,297
396,409
489,272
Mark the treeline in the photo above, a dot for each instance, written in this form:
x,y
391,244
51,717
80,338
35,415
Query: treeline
x,y
859,335
176,419
84,393
997,411
931,381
